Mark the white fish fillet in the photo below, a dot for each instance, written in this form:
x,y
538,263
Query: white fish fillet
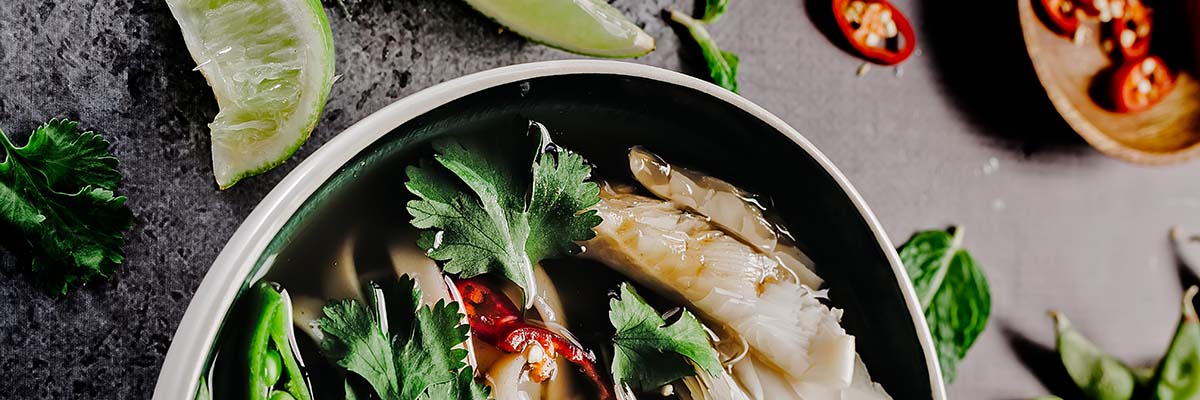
x,y
681,255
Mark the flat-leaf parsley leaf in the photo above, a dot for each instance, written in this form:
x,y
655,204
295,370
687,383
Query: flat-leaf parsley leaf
x,y
57,190
649,352
502,203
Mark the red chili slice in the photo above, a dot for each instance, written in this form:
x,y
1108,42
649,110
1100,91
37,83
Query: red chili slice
x,y
1063,15
496,320
876,29
1141,84
1131,30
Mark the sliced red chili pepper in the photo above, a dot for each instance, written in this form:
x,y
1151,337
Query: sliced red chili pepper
x,y
1063,15
1140,84
876,29
1131,30
555,344
497,321
489,311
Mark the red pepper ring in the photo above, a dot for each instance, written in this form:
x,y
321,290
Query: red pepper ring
x,y
871,26
1138,85
495,320
1064,15
1131,32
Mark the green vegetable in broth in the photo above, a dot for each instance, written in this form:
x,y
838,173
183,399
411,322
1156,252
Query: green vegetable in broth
x,y
1100,375
258,361
722,65
402,351
953,292
650,353
1178,374
57,191
500,204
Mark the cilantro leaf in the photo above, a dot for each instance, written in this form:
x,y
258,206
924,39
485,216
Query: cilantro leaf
x,y
464,387
722,65
57,190
648,352
404,353
472,202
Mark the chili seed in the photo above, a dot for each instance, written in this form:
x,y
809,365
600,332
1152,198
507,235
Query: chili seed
x,y
1066,7
1143,86
1128,38
1148,66
1118,8
863,69
1081,34
874,40
892,31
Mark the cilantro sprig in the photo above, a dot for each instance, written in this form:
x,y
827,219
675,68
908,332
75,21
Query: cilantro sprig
x,y
57,191
403,352
502,203
649,352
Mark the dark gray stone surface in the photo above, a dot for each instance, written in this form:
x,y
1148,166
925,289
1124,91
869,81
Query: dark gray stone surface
x,y
1055,224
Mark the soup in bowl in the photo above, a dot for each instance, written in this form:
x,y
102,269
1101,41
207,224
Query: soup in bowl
x,y
556,231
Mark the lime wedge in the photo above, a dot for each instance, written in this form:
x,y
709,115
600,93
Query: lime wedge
x,y
588,27
270,65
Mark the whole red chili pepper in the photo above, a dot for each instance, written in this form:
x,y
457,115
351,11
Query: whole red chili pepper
x,y
496,320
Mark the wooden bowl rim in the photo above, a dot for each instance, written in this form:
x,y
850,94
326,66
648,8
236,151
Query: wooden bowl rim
x,y
1093,135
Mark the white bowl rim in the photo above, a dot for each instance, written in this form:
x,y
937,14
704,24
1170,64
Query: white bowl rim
x,y
199,327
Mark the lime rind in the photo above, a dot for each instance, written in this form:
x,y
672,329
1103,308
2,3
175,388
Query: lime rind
x,y
270,64
588,27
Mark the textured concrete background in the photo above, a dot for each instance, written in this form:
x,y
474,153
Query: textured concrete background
x,y
1055,224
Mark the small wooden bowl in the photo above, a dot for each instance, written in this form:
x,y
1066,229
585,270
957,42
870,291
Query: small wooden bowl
x,y
1167,133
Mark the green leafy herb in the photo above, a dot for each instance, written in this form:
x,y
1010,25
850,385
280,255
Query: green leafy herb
x,y
649,353
713,10
722,65
1178,374
57,190
953,293
419,359
475,195
1100,375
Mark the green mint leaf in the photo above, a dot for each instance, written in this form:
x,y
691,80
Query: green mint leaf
x,y
57,190
472,204
953,292
404,353
1178,374
1099,375
648,352
713,9
722,65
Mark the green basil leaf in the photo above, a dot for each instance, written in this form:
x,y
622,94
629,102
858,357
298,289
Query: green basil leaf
x,y
1100,375
722,65
1178,374
713,9
953,292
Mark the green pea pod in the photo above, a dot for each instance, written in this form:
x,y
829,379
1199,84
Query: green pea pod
x,y
1178,374
1100,375
257,357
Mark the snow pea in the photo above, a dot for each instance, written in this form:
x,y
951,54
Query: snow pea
x,y
257,359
